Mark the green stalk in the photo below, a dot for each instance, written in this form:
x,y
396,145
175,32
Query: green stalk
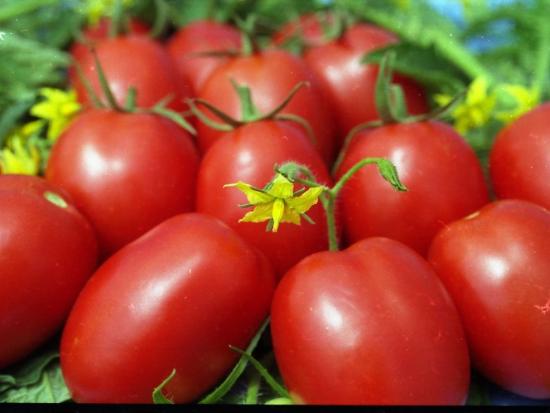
x,y
542,67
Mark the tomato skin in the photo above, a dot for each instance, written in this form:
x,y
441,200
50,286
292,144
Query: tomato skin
x,y
44,248
270,76
496,266
160,303
519,161
249,154
133,61
348,84
368,325
202,36
126,172
442,173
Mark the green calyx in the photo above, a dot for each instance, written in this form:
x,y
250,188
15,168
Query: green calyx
x,y
391,105
130,104
249,112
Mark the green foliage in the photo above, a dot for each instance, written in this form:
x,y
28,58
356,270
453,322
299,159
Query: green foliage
x,y
37,380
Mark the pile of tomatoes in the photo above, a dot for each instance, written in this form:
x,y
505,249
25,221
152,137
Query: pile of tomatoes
x,y
131,244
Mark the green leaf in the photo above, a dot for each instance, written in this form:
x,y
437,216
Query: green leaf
x,y
422,63
215,395
37,380
389,173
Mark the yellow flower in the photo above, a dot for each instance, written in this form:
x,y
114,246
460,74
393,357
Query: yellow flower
x,y
19,158
524,100
96,9
476,109
57,108
277,202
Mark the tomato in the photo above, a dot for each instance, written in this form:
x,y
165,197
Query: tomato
x,y
368,325
270,76
47,252
199,37
249,154
496,266
125,172
444,179
519,160
138,62
348,84
308,27
100,31
164,303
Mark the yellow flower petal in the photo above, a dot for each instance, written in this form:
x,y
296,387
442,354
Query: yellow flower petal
x,y
253,195
305,201
281,187
260,213
277,213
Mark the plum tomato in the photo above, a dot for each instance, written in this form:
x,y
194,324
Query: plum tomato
x,y
270,75
176,298
249,154
368,325
519,162
496,266
91,34
199,37
133,61
349,84
47,252
442,173
126,172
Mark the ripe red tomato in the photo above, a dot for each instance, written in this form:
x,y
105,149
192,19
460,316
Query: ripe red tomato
x,y
519,160
443,176
248,154
47,252
125,172
202,36
496,266
133,61
368,325
348,84
175,298
270,76
100,31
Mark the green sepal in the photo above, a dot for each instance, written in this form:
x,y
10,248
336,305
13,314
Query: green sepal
x,y
174,117
270,380
221,390
158,396
55,199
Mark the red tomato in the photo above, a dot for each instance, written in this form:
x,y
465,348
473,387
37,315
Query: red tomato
x,y
134,61
197,37
100,31
248,154
47,252
308,26
496,266
126,172
161,303
270,76
349,84
520,158
443,176
368,325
